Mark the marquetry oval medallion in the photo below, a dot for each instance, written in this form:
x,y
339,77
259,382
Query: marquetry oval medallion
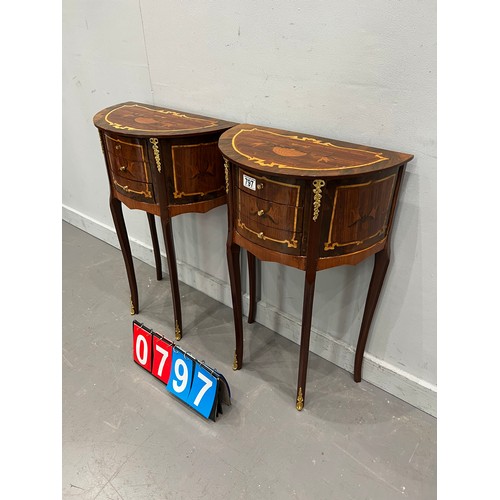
x,y
141,118
273,149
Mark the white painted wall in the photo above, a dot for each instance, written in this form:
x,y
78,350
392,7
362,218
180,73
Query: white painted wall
x,y
362,72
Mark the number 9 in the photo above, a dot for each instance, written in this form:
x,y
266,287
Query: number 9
x,y
179,387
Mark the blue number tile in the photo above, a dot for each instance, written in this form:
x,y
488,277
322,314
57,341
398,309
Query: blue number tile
x,y
181,375
203,391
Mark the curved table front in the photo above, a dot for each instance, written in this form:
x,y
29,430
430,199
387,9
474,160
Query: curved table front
x,y
166,163
311,203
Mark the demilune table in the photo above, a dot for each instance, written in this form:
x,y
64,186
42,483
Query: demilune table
x,y
311,203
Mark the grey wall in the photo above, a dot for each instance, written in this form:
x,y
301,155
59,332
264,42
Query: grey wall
x,y
362,72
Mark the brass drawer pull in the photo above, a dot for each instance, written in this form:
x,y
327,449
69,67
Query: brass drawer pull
x,y
262,213
118,146
123,168
260,185
261,235
126,188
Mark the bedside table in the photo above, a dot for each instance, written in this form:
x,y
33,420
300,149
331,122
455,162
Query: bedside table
x,y
310,203
166,163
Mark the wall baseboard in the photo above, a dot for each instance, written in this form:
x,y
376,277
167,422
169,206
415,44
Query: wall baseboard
x,y
395,381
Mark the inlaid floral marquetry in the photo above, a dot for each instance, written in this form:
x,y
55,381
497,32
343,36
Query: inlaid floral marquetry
x,y
360,213
143,118
268,148
166,163
310,203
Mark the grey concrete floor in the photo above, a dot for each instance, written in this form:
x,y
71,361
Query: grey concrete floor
x,y
125,437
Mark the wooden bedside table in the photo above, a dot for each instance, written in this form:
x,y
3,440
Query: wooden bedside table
x,y
310,203
166,163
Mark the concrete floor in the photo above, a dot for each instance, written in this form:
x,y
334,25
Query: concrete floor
x,y
125,437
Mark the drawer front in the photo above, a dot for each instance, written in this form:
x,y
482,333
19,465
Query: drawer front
x,y
286,193
128,148
271,225
128,169
127,159
267,213
140,191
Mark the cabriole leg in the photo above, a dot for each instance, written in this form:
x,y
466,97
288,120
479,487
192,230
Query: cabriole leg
x,y
233,261
121,230
380,266
252,287
305,335
156,246
166,225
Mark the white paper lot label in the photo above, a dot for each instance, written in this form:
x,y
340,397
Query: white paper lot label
x,y
249,182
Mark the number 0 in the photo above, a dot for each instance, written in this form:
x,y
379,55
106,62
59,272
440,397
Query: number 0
x,y
141,340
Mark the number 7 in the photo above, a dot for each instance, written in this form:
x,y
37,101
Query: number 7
x,y
204,389
163,359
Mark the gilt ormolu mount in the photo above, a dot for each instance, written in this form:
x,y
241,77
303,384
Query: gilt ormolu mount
x,y
166,163
310,203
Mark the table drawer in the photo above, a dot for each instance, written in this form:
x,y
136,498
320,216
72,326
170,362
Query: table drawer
x,y
140,191
260,212
272,225
269,189
131,149
129,169
274,239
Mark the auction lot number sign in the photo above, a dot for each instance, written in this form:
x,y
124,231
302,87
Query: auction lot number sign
x,y
191,381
